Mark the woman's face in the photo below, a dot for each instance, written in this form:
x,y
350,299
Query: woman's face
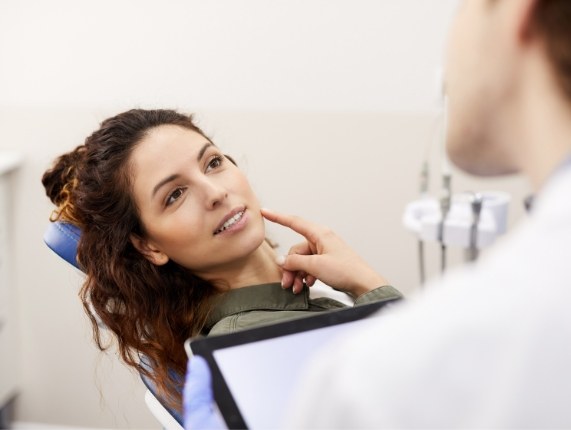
x,y
197,208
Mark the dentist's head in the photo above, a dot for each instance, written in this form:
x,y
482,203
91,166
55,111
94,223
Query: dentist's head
x,y
166,221
509,86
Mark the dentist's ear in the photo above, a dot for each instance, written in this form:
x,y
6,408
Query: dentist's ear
x,y
149,251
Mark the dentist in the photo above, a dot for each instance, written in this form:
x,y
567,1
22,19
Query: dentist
x,y
489,344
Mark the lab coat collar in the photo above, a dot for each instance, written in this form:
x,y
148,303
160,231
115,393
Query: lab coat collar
x,y
554,200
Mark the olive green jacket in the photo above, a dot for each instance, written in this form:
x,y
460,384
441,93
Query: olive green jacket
x,y
257,305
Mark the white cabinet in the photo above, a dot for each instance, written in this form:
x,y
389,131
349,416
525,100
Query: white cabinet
x,y
8,331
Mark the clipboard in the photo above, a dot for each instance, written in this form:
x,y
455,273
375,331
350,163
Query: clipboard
x,y
255,371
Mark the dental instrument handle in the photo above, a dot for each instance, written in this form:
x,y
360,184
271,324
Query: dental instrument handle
x,y
445,202
424,177
476,205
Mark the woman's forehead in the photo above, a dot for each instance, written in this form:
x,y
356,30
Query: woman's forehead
x,y
167,143
172,135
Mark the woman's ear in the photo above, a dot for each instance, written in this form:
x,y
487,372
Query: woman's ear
x,y
526,11
149,251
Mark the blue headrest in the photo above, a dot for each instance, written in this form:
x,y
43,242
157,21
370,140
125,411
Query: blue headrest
x,y
62,238
145,364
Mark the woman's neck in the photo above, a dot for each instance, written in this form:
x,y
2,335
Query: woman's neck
x,y
256,268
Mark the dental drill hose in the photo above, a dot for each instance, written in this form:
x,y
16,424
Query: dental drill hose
x,y
445,200
423,192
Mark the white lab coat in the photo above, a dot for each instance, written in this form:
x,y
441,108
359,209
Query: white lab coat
x,y
488,346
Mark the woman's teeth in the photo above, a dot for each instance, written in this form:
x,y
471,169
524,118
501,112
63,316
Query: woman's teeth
x,y
230,222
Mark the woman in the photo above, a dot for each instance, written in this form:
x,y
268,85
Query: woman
x,y
172,234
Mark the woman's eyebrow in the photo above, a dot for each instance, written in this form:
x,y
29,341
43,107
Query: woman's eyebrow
x,y
203,150
164,182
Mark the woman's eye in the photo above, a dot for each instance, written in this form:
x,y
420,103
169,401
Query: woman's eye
x,y
174,196
215,162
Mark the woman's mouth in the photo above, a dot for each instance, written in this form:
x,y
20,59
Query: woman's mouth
x,y
230,222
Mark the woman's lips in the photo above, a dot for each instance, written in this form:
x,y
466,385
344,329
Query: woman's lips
x,y
231,220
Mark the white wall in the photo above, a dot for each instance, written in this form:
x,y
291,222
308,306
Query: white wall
x,y
245,54
326,104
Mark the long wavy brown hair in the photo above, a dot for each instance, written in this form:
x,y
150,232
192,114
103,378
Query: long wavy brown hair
x,y
150,309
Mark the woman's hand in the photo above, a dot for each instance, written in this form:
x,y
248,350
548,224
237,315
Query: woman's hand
x,y
323,256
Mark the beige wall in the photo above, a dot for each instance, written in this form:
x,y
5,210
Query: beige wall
x,y
351,171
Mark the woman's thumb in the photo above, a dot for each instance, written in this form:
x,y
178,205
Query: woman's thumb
x,y
297,263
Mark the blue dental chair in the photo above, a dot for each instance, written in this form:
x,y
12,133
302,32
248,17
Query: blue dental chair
x,y
63,238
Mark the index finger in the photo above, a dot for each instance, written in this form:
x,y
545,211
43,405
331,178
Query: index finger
x,y
306,228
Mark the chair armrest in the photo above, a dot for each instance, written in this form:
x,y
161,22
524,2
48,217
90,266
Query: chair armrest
x,y
160,413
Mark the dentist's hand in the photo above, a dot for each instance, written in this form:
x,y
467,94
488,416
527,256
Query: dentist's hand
x,y
324,256
198,400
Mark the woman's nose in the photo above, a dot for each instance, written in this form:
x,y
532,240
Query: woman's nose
x,y
214,194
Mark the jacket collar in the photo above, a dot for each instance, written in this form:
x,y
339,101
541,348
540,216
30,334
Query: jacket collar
x,y
264,297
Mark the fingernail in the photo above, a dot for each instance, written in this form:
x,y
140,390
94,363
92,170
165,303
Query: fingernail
x,y
280,260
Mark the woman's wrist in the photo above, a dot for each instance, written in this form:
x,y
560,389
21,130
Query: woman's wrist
x,y
368,282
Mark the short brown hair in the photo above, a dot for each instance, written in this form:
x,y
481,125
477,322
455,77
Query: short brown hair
x,y
552,18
